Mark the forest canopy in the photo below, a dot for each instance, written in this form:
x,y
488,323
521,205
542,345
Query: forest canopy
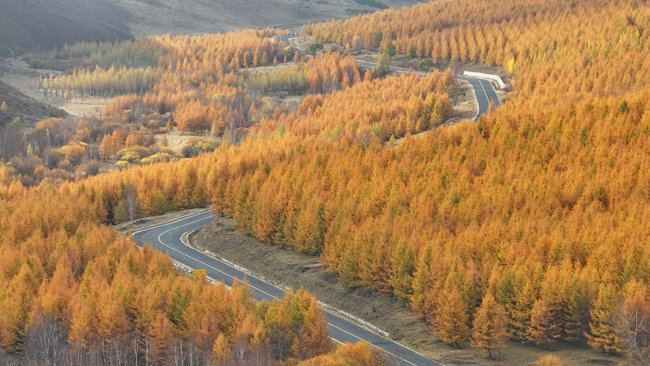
x,y
534,217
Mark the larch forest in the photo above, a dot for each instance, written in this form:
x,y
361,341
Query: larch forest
x,y
529,226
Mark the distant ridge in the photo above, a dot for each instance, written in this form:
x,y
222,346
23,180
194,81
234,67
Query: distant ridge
x,y
32,25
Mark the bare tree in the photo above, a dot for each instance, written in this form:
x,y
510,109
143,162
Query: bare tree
x,y
131,202
46,340
135,346
177,354
631,322
8,360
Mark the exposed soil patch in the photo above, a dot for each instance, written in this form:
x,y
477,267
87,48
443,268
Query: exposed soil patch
x,y
464,102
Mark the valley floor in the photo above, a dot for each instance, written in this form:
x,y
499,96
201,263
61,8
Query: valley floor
x,y
17,73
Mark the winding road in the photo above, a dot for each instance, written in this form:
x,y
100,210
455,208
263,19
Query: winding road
x,y
483,89
485,94
170,237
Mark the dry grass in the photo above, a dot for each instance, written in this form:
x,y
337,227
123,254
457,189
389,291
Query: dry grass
x,y
209,16
19,75
177,140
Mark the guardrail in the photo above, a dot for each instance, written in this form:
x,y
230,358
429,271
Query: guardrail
x,y
496,80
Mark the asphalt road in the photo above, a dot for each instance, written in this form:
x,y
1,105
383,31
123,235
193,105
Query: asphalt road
x,y
483,89
485,94
167,237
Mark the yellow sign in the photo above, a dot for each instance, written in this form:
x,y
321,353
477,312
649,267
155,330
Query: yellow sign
x,y
199,273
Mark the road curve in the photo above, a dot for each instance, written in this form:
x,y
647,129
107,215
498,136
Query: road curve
x,y
485,94
168,238
483,89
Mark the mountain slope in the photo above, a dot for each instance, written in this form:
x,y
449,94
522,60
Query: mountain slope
x,y
201,16
20,105
40,24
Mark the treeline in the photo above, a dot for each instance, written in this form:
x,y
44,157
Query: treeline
x,y
146,52
104,83
289,81
73,292
142,53
198,59
373,109
322,74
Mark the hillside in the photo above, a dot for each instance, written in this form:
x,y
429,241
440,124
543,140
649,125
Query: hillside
x,y
29,25
201,16
24,107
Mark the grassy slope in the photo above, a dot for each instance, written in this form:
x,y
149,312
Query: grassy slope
x,y
200,16
20,105
42,24
29,25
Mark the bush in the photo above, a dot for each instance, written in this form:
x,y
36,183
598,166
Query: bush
x,y
548,360
196,145
425,64
313,48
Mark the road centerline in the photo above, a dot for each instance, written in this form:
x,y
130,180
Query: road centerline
x,y
180,223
